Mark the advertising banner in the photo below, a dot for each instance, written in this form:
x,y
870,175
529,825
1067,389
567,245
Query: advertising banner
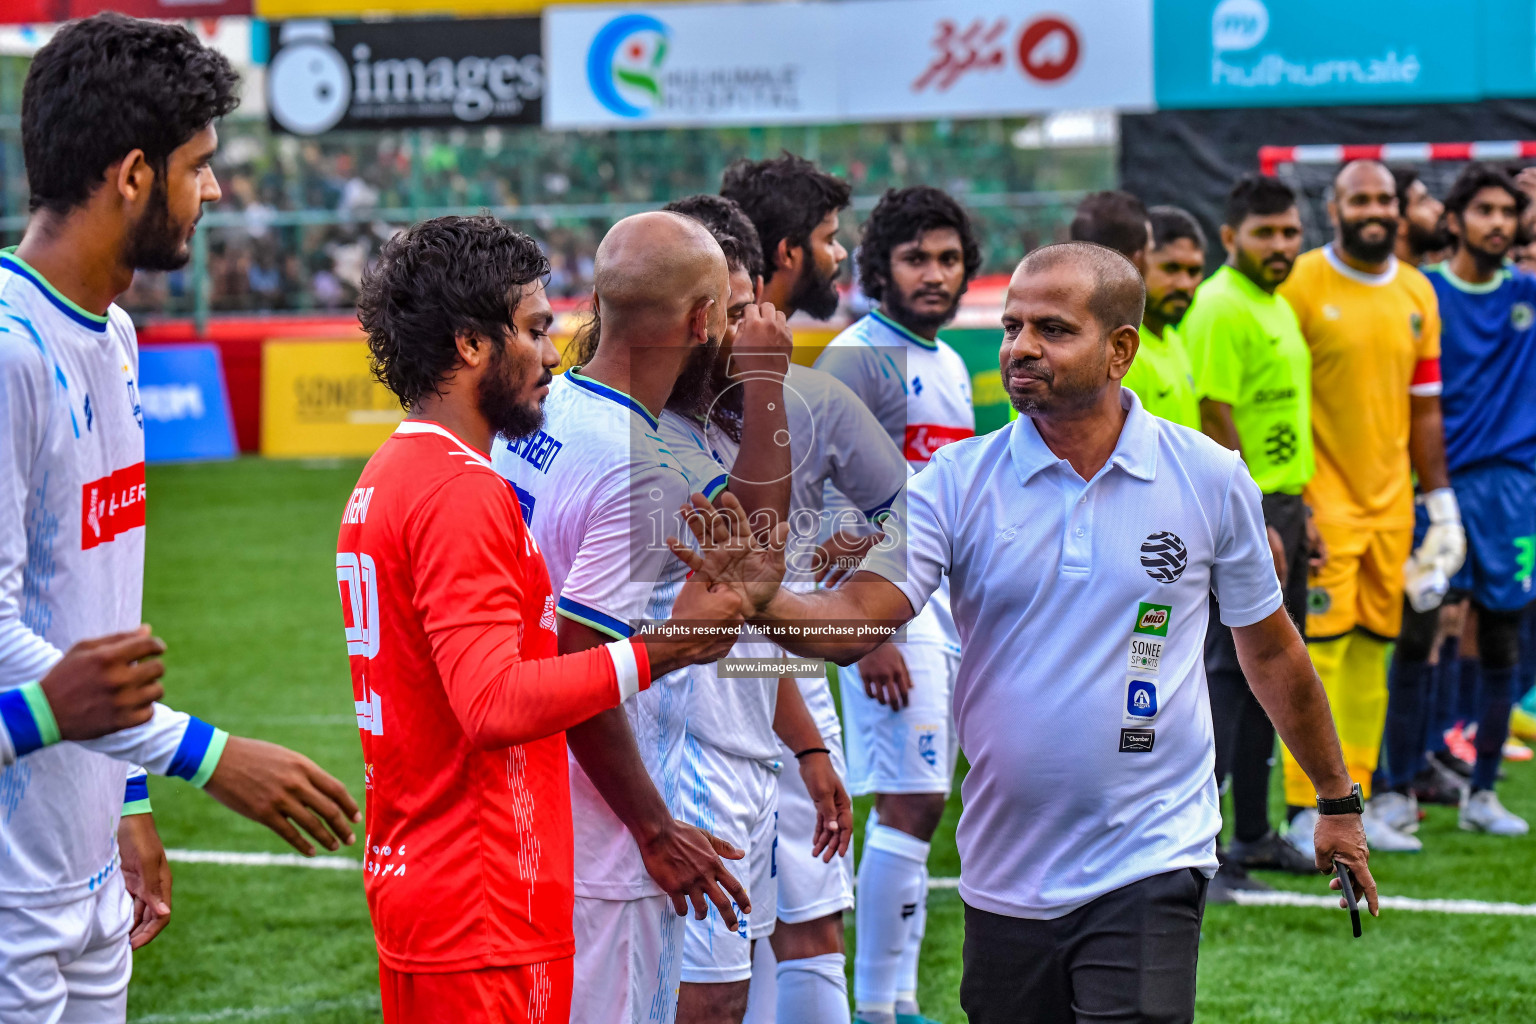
x,y
691,65
1251,53
31,12
854,61
973,58
328,75
319,399
272,9
185,404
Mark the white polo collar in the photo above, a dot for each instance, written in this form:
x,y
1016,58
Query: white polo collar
x,y
1375,280
1135,452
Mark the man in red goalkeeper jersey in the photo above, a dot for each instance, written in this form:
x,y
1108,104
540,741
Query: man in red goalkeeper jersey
x,y
461,697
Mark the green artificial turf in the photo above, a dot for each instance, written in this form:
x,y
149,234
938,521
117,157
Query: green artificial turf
x,y
240,583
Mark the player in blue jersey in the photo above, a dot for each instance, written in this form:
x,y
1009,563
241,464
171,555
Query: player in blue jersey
x,y
1488,366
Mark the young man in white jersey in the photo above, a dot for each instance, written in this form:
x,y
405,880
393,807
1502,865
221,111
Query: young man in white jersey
x,y
916,258
117,130
804,423
600,492
794,207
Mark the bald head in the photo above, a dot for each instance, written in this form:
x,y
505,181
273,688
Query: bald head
x,y
1361,176
1117,294
657,266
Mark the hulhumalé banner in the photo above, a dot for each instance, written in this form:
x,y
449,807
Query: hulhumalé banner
x,y
185,404
319,399
1252,53
326,75
859,60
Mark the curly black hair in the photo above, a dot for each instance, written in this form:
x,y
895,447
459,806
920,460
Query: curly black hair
x,y
1114,219
786,198
725,219
1473,179
1260,194
110,84
905,215
435,281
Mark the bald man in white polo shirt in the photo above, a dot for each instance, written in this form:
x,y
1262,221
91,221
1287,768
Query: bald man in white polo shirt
x,y
1082,542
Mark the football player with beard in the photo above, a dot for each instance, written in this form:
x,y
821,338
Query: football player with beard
x,y
1422,236
916,259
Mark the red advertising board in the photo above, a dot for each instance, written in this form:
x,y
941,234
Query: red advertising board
x,y
26,12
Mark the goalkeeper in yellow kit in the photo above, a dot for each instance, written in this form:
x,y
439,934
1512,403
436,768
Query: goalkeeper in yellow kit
x,y
1373,327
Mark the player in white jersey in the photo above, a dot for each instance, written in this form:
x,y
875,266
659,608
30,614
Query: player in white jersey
x,y
916,258
600,492
794,208
743,733
117,128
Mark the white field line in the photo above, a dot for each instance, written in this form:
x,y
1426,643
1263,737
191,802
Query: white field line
x,y
237,1013
1243,898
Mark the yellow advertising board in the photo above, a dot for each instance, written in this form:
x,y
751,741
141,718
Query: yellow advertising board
x,y
318,399
276,9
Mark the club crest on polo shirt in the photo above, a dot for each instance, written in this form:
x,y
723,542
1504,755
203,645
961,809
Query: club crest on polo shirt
x,y
1152,619
1164,556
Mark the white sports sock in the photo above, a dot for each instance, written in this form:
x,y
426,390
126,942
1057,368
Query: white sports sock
x,y
813,990
890,890
763,996
906,977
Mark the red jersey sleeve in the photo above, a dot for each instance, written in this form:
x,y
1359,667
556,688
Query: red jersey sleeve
x,y
471,558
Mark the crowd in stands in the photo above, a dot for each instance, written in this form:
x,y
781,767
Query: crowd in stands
x,y
301,218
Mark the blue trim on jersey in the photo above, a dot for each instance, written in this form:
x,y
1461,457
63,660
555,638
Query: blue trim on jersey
x,y
194,745
137,789
889,369
84,319
616,628
916,339
883,509
712,489
612,394
16,714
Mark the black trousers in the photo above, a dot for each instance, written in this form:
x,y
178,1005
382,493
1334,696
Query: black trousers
x,y
1245,739
1127,956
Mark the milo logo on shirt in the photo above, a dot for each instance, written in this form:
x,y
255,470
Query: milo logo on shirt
x,y
1152,619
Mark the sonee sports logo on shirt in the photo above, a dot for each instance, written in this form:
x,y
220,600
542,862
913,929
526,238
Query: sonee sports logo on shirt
x,y
1164,557
1152,619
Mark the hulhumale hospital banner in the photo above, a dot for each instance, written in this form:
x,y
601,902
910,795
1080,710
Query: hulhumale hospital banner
x,y
855,61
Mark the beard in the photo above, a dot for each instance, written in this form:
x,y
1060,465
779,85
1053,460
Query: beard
x,y
1350,232
1268,271
895,303
815,293
1061,394
154,243
1422,240
1487,260
700,381
1165,310
508,413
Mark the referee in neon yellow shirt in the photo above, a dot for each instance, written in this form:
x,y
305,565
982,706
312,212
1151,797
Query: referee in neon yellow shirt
x,y
1168,247
1252,374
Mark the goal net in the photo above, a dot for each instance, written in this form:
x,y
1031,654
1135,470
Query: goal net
x,y
1310,169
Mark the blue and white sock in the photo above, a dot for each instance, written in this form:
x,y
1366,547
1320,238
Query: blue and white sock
x,y
891,884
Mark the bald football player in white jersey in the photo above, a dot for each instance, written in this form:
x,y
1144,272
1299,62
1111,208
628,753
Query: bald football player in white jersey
x,y
118,131
916,258
600,491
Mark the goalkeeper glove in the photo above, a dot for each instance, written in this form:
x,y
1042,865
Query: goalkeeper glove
x,y
1445,543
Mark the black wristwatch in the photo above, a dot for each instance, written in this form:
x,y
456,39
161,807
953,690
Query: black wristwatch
x,y
1352,804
